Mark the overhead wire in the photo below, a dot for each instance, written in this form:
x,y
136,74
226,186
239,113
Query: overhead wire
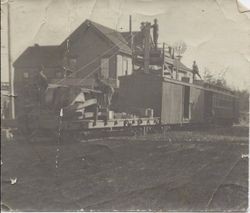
x,y
86,65
98,67
96,58
114,54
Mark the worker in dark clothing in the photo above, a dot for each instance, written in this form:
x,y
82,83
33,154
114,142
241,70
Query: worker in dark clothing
x,y
142,28
107,92
104,99
155,27
195,70
41,84
42,81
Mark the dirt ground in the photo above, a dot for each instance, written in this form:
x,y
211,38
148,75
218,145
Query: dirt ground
x,y
179,170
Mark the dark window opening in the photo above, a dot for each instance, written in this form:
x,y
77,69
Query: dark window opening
x,y
186,102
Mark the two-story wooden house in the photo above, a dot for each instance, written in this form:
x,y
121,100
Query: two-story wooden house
x,y
91,47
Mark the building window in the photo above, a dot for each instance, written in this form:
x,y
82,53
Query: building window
x,y
105,68
174,73
26,75
125,66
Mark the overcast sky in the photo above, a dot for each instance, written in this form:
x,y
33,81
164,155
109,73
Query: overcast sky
x,y
216,33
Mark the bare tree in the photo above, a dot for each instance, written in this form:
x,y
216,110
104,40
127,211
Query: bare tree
x,y
218,81
221,81
208,77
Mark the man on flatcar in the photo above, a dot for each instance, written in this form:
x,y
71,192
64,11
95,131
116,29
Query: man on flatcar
x,y
107,92
142,28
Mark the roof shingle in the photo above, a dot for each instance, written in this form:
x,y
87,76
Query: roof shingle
x,y
115,37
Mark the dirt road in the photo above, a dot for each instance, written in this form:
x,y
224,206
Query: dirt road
x,y
181,171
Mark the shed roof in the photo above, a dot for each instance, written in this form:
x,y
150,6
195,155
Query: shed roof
x,y
177,64
48,56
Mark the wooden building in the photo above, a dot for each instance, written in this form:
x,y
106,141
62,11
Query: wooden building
x,y
91,48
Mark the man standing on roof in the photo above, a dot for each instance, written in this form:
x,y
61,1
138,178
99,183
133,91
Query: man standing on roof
x,y
195,70
155,27
142,28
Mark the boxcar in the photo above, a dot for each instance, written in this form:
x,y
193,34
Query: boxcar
x,y
176,102
224,108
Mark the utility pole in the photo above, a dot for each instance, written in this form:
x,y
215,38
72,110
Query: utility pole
x,y
163,59
130,32
12,103
131,40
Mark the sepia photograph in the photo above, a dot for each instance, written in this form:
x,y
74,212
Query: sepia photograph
x,y
125,105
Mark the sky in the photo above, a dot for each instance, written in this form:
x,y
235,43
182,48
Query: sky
x,y
216,33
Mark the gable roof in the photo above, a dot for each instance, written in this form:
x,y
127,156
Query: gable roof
x,y
51,55
35,56
109,34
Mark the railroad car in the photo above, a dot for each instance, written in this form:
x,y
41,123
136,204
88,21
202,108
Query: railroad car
x,y
177,102
148,101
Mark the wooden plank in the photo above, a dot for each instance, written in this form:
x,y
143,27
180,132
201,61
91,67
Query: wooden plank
x,y
172,103
196,105
139,91
170,80
114,123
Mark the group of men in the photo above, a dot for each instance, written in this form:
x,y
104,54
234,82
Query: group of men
x,y
145,28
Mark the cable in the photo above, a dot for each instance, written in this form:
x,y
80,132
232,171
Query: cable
x,y
89,74
100,65
86,65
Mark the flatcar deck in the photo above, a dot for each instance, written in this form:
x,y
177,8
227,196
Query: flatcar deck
x,y
113,123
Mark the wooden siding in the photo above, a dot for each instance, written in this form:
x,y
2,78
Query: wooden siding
x,y
89,47
200,86
223,106
196,105
208,105
172,103
236,110
121,67
139,91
